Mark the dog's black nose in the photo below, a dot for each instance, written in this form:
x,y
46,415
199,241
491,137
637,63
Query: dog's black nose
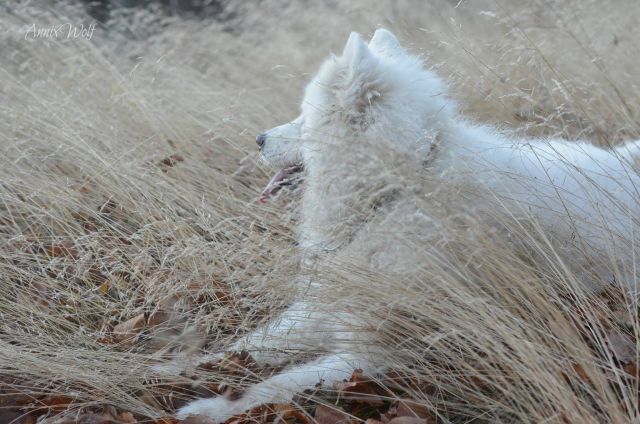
x,y
261,139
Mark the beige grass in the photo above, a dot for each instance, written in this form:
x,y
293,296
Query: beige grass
x,y
96,230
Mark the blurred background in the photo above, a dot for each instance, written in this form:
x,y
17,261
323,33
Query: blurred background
x,y
101,9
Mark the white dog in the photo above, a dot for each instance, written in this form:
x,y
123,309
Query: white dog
x,y
374,97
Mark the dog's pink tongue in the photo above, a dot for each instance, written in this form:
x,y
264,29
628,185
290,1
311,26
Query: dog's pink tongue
x,y
273,186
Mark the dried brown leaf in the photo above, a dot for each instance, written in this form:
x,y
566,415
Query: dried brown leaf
x,y
128,330
622,347
359,389
166,420
84,418
15,416
237,362
61,249
579,370
409,408
126,417
633,370
332,415
54,402
157,318
409,420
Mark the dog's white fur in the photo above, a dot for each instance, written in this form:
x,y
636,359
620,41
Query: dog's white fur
x,y
377,95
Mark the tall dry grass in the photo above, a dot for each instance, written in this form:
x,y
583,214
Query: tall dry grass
x,y
129,182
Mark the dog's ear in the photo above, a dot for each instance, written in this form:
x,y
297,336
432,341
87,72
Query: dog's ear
x,y
358,86
385,43
356,52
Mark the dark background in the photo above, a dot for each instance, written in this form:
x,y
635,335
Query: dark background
x,y
101,9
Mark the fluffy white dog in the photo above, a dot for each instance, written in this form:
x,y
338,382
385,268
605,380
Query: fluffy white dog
x,y
376,97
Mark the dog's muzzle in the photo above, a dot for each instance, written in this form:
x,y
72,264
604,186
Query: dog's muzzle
x,y
281,178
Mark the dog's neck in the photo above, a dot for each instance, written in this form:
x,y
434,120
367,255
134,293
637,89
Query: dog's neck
x,y
346,186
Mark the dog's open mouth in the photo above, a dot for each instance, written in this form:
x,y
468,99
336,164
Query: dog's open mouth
x,y
281,178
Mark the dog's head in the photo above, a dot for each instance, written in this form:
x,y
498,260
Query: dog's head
x,y
376,90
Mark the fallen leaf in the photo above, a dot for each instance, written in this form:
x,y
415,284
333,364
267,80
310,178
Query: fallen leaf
x,y
28,419
128,330
126,417
581,373
166,420
62,249
84,417
332,415
395,379
156,318
54,402
408,420
288,412
15,416
205,291
409,408
359,389
622,347
633,370
387,416
236,362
